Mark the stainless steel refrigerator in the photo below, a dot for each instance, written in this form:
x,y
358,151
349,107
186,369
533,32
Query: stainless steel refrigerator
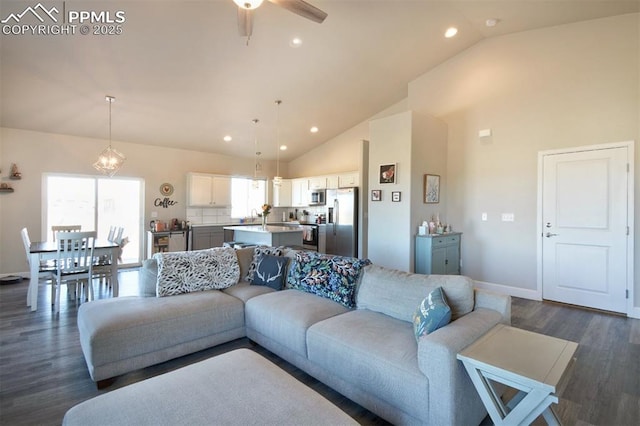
x,y
342,221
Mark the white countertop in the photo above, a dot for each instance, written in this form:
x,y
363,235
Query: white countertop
x,y
270,229
244,225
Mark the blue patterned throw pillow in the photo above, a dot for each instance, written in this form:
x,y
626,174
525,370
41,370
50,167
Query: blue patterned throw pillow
x,y
259,251
332,277
271,271
433,313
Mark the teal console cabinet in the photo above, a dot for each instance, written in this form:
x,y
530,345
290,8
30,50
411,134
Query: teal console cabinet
x,y
438,254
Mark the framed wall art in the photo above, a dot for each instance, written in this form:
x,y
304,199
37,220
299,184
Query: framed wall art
x,y
431,189
388,173
395,196
376,195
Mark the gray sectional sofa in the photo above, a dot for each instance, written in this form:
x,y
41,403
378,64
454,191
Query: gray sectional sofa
x,y
368,352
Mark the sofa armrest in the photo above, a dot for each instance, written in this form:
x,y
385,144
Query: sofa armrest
x,y
452,397
498,302
147,278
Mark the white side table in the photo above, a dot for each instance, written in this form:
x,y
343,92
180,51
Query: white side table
x,y
530,362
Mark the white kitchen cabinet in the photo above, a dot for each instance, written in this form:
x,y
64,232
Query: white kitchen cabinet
x,y
299,192
282,194
319,182
333,182
347,180
205,190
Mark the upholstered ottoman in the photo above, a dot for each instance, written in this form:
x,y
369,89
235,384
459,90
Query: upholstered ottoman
x,y
236,388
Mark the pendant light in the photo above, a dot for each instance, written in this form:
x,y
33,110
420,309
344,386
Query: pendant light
x,y
110,160
248,4
257,166
277,179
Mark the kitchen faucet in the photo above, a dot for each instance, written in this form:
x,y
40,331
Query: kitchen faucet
x,y
253,217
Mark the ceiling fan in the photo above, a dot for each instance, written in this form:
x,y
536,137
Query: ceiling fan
x,y
299,7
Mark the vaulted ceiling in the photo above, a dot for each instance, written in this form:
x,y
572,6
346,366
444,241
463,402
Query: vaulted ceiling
x,y
183,77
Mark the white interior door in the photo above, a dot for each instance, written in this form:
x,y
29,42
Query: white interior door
x,y
584,228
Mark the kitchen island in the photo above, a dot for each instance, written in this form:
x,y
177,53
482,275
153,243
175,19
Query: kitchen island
x,y
271,235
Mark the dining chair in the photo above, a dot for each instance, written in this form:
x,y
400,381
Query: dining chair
x,y
102,265
65,228
45,267
74,261
112,233
118,235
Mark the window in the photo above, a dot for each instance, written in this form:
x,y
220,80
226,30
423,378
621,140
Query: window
x,y
96,203
247,197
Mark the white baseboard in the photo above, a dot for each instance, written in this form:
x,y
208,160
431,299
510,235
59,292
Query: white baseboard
x,y
508,290
24,275
530,294
635,313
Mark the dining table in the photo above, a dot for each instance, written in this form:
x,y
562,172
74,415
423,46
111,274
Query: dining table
x,y
40,251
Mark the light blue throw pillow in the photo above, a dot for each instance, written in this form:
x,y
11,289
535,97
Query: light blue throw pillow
x,y
433,313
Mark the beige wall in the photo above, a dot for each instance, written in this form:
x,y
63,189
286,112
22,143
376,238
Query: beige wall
x,y
565,86
37,153
416,144
339,154
390,142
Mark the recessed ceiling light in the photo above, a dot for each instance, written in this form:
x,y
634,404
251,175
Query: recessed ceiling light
x,y
491,22
314,129
283,147
227,138
451,32
295,42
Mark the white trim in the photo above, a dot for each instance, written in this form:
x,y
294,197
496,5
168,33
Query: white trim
x,y
523,293
632,311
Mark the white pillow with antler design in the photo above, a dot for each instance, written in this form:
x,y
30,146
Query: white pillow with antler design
x,y
270,271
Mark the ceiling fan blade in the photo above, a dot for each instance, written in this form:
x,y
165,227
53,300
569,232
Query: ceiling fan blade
x,y
302,8
245,22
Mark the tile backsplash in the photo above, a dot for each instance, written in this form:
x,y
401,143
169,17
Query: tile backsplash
x,y
199,216
222,216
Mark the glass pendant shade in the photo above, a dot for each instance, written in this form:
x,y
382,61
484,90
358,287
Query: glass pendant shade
x,y
248,4
109,161
277,180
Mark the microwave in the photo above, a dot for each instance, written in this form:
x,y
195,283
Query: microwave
x,y
317,197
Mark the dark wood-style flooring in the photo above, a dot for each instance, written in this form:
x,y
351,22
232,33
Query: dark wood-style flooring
x,y
43,373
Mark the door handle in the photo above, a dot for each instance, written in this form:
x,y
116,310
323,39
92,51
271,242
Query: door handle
x,y
549,235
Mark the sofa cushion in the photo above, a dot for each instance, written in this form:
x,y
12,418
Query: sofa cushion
x,y
432,313
271,271
396,293
245,256
190,271
124,328
245,291
332,277
375,354
284,316
259,251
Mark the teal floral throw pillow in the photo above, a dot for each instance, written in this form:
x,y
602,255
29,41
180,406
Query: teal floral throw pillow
x,y
433,313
